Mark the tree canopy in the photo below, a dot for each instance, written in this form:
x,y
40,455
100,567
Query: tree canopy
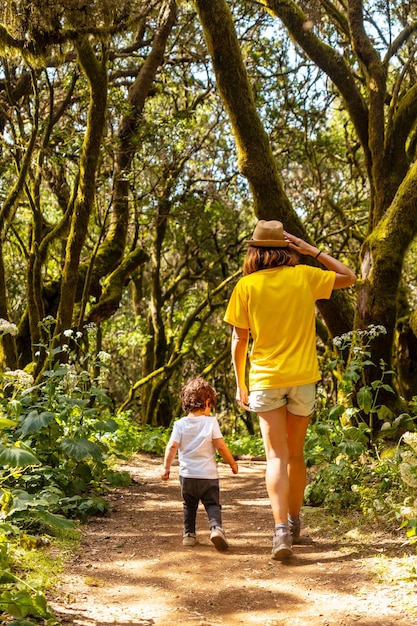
x,y
142,140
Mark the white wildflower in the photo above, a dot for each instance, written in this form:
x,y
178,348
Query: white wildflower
x,y
376,329
408,473
342,340
105,357
7,327
19,378
411,440
409,457
71,378
409,512
68,333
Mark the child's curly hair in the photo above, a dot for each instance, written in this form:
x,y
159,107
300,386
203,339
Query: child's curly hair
x,y
195,394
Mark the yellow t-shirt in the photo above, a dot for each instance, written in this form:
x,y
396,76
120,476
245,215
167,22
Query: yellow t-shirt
x,y
278,306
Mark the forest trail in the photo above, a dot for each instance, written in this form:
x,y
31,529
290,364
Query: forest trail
x,y
131,567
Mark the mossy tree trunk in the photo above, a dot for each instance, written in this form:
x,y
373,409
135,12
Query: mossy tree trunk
x,y
383,123
384,120
111,251
255,157
95,69
23,156
91,285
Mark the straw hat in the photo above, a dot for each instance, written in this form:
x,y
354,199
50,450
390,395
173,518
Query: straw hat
x,y
268,234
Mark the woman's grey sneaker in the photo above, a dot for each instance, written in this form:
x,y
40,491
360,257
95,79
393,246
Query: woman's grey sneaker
x,y
295,528
218,538
189,539
281,545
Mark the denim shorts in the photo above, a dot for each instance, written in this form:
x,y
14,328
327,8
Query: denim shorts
x,y
300,400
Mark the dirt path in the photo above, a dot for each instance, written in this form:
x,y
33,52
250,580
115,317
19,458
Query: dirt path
x,y
131,568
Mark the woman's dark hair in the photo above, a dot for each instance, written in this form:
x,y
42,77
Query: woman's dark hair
x,y
195,393
267,258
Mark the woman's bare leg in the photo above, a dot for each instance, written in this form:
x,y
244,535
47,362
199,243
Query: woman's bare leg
x,y
296,434
273,426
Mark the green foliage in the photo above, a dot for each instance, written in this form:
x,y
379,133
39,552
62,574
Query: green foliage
x,y
250,446
369,484
327,440
361,400
153,440
331,486
336,453
23,603
58,439
126,439
408,471
22,576
411,529
350,468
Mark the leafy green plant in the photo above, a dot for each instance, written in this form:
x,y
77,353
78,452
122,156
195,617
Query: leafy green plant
x,y
369,484
55,443
25,570
408,470
127,438
331,486
328,439
153,439
356,394
248,445
349,468
58,438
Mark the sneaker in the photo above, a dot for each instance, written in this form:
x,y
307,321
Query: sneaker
x,y
282,545
218,538
189,539
295,527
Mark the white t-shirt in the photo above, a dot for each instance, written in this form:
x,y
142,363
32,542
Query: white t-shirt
x,y
196,451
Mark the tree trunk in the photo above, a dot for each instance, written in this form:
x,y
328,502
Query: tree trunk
x,y
383,258
112,249
96,73
384,133
256,160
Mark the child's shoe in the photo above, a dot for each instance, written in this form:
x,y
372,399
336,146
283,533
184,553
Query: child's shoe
x,y
218,538
189,539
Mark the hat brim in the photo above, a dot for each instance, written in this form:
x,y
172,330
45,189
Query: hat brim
x,y
267,243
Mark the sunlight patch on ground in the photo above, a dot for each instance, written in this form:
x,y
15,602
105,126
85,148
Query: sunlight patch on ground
x,y
389,569
257,502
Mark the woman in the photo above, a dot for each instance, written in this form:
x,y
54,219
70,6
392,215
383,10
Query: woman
x,y
275,302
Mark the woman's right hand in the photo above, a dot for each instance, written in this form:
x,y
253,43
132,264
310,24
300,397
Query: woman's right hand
x,y
301,246
242,397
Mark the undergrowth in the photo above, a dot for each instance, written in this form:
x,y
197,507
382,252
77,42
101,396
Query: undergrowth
x,y
61,441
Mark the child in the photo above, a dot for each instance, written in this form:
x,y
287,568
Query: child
x,y
197,436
